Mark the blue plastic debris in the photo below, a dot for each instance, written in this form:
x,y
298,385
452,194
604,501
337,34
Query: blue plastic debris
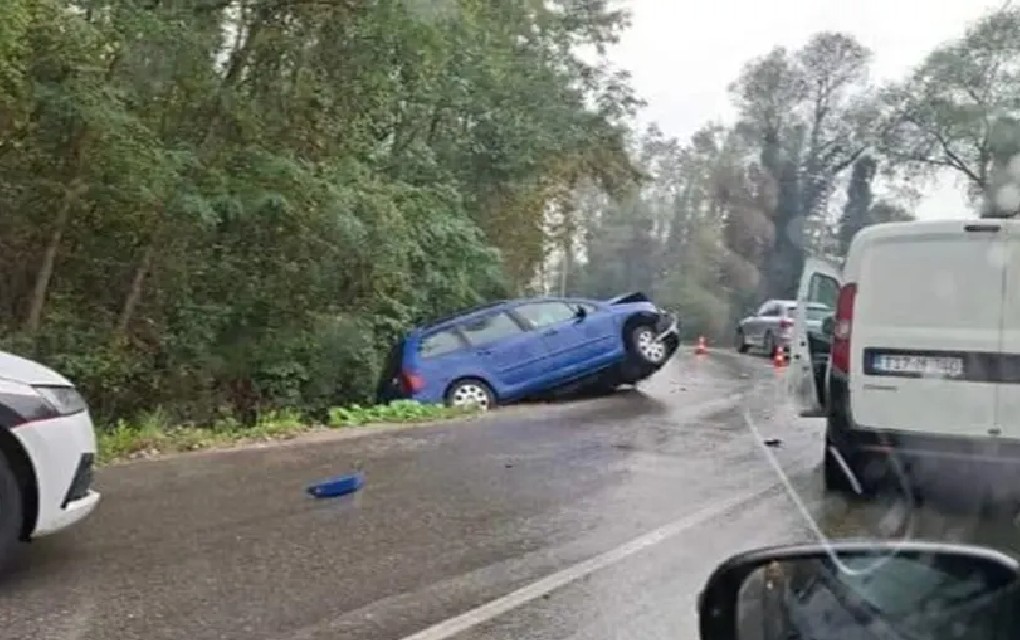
x,y
338,486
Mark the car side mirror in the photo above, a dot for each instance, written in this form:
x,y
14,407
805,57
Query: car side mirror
x,y
580,313
829,325
858,590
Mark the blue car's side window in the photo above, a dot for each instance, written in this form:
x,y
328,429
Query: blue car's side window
x,y
440,344
489,329
543,314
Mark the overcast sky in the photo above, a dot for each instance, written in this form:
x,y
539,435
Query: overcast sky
x,y
684,53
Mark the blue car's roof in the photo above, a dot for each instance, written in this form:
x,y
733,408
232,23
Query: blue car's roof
x,y
482,308
460,315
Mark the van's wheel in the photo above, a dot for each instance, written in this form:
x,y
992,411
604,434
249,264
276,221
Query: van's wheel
x,y
11,516
770,345
643,344
834,477
836,480
740,343
469,392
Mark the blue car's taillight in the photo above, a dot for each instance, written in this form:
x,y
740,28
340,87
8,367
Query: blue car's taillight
x,y
411,383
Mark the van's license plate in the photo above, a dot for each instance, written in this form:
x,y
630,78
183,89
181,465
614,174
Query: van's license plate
x,y
935,366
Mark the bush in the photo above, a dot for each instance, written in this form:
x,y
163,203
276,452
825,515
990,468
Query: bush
x,y
155,433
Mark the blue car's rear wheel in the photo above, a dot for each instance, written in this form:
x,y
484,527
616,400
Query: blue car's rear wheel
x,y
468,392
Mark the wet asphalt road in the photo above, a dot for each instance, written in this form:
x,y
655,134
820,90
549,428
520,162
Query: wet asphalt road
x,y
592,519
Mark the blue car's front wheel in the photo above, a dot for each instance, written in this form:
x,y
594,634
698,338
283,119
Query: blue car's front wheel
x,y
646,345
471,392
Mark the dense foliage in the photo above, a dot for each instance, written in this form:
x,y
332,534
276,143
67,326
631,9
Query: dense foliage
x,y
224,207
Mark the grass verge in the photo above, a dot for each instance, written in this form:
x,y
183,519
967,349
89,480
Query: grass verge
x,y
154,435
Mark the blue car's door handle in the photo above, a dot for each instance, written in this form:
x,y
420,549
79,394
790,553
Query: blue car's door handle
x,y
550,332
484,352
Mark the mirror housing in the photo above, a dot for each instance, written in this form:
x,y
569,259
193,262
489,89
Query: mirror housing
x,y
829,325
870,590
580,313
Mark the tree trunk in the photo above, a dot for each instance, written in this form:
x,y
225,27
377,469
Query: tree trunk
x,y
137,286
565,268
45,273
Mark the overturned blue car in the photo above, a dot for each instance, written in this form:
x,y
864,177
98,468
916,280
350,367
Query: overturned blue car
x,y
510,350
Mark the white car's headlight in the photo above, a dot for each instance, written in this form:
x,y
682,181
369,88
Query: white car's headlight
x,y
64,400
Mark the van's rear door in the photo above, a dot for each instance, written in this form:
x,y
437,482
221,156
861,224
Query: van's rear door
x,y
1008,393
816,298
926,319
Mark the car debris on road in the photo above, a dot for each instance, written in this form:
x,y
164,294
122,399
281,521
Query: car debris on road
x,y
339,486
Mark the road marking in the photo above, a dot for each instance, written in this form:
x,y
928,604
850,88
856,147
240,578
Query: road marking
x,y
472,618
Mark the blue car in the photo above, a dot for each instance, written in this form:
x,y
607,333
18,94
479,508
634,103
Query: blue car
x,y
510,350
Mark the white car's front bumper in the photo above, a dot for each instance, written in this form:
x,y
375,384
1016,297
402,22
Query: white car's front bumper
x,y
56,448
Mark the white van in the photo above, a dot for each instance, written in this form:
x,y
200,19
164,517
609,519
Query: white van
x,y
925,357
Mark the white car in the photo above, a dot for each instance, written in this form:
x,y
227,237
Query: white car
x,y
47,453
771,326
925,356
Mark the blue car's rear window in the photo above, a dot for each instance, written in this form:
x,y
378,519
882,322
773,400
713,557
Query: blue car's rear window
x,y
439,343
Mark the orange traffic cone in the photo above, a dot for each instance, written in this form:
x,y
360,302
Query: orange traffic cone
x,y
702,348
779,358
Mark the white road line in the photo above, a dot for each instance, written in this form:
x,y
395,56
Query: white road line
x,y
452,626
714,406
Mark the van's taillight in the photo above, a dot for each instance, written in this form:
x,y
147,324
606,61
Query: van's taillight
x,y
843,324
786,323
411,382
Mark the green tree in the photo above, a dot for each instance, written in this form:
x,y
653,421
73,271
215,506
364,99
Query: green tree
x,y
948,115
811,115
